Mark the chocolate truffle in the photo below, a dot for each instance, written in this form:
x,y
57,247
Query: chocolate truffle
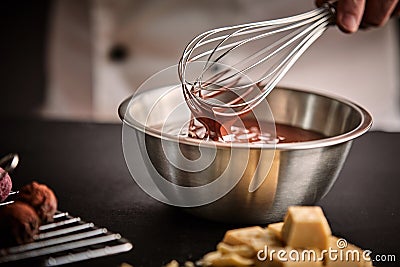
x,y
41,198
5,185
18,224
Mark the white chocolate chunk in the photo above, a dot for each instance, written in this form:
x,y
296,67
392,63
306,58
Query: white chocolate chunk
x,y
254,237
173,263
189,264
276,229
241,250
306,227
217,259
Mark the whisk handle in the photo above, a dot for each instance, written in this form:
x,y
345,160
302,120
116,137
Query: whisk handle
x,y
331,6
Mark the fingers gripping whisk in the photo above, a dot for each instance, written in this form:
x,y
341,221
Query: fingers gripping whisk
x,y
230,70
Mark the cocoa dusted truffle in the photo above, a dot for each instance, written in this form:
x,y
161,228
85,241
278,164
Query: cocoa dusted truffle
x,y
5,185
41,198
18,224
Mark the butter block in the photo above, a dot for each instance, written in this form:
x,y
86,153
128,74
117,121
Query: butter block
x,y
254,237
298,258
276,229
348,255
306,227
217,259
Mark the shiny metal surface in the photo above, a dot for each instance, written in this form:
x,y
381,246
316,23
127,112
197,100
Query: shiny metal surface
x,y
229,61
301,173
12,161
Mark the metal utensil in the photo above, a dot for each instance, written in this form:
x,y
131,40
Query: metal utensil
x,y
8,163
66,240
301,173
230,60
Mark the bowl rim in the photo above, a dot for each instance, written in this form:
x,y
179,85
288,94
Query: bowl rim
x,y
360,129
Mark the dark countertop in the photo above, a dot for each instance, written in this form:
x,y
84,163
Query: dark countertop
x,y
84,164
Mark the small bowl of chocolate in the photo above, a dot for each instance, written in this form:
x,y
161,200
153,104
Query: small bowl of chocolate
x,y
249,172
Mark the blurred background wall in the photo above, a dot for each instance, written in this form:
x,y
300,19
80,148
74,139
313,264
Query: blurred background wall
x,y
78,59
23,29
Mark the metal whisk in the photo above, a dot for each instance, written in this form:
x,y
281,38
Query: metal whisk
x,y
246,61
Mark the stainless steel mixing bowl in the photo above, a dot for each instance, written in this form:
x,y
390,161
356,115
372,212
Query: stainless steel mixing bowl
x,y
301,173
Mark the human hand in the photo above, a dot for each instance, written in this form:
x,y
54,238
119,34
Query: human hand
x,y
352,14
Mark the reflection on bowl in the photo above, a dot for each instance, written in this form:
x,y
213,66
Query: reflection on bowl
x,y
299,173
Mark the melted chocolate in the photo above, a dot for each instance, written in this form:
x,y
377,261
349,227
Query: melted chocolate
x,y
248,131
206,123
252,131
